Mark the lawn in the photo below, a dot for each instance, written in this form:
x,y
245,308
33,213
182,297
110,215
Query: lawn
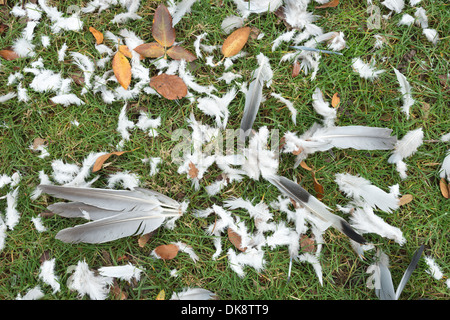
x,y
73,132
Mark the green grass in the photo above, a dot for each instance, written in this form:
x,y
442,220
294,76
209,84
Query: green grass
x,y
423,221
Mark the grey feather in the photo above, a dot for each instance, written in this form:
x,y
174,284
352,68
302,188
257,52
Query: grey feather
x,y
297,193
116,200
112,228
116,213
356,137
252,101
77,209
412,266
386,289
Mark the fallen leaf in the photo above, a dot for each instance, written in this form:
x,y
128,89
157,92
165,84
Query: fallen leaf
x,y
407,198
179,53
235,41
97,35
335,100
142,241
305,166
125,51
167,251
297,152
117,293
8,54
161,295
295,69
236,240
169,86
307,244
445,189
101,160
150,50
320,191
162,29
122,69
38,142
193,171
331,4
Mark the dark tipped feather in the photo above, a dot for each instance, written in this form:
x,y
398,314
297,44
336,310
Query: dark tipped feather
x,y
297,193
252,102
412,266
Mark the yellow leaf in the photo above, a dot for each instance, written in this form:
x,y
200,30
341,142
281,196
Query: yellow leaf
x,y
122,69
150,50
126,52
235,42
97,35
407,198
335,100
161,295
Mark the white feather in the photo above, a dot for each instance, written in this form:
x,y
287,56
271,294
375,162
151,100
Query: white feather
x,y
84,281
47,275
444,171
37,221
32,294
87,66
394,5
323,108
62,52
183,247
24,48
421,18
405,90
365,220
128,180
12,216
125,272
231,22
193,294
179,10
406,20
433,268
431,35
407,146
67,99
314,261
365,70
288,104
361,189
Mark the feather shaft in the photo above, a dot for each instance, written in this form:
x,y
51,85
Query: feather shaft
x,y
296,192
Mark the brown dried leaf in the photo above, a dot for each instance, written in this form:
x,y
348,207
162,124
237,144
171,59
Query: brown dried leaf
x,y
193,171
320,191
295,69
297,152
8,54
335,100
445,189
38,142
235,41
169,86
167,251
331,4
307,244
150,50
117,293
162,29
101,160
236,240
97,35
407,198
122,69
142,241
179,53
305,166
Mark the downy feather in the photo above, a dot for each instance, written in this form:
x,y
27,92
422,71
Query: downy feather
x,y
263,74
407,146
362,189
300,195
405,90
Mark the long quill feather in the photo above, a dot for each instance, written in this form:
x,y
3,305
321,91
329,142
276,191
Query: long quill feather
x,y
294,191
254,95
116,213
